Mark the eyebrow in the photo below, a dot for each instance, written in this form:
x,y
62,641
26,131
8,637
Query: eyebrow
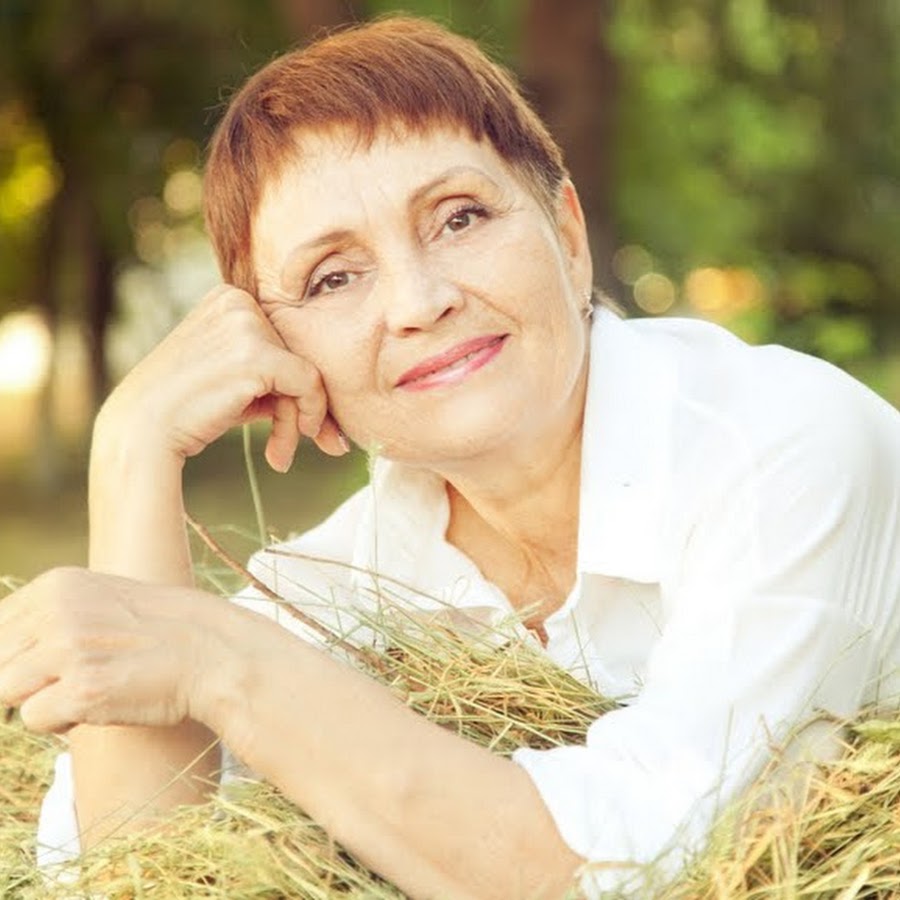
x,y
339,235
449,175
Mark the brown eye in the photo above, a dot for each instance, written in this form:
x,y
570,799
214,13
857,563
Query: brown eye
x,y
464,218
333,281
459,221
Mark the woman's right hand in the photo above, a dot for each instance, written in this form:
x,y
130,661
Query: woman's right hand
x,y
222,366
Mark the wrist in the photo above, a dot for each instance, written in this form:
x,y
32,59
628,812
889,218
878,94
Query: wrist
x,y
125,432
135,503
248,670
222,664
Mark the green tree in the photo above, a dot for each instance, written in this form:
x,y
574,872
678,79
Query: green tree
x,y
756,139
94,94
766,134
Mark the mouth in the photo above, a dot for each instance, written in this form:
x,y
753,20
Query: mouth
x,y
453,366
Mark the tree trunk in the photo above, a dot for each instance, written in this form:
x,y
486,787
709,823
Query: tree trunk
x,y
570,74
46,461
99,292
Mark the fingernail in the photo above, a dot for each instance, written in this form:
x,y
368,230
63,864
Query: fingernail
x,y
343,440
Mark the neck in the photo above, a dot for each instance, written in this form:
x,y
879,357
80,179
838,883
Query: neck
x,y
532,500
516,513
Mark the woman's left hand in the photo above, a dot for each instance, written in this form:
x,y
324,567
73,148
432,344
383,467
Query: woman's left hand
x,y
78,647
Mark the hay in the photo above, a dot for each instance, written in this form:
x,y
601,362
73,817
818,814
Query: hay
x,y
250,842
843,843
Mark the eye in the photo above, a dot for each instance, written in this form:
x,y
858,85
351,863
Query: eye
x,y
328,283
463,218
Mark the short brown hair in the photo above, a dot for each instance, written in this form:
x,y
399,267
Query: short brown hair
x,y
395,71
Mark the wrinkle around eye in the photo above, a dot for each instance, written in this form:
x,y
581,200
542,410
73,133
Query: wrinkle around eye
x,y
270,301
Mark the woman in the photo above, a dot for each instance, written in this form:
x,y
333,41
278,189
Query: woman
x,y
703,528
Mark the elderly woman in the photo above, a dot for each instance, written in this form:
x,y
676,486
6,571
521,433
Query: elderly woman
x,y
705,529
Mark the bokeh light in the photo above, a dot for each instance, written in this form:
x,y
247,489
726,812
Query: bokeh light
x,y
25,345
654,293
31,177
183,193
629,263
182,153
721,293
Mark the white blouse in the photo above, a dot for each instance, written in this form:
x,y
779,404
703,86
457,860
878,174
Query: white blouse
x,y
738,575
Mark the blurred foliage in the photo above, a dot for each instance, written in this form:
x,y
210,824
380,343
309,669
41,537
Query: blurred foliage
x,y
738,160
765,135
754,166
99,102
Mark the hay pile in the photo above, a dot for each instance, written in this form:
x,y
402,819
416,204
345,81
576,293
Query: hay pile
x,y
252,843
249,842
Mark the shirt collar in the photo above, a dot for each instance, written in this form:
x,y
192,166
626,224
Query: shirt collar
x,y
626,452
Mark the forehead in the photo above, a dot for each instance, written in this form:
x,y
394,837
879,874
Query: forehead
x,y
335,176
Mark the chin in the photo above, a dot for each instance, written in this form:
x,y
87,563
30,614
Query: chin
x,y
444,435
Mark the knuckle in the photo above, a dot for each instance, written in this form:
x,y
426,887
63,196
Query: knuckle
x,y
58,590
316,387
309,418
58,580
70,642
227,297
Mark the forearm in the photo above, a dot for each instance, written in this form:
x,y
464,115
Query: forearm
x,y
136,507
434,813
125,776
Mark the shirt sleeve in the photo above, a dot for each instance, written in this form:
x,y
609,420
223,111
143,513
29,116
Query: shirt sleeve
x,y
773,611
58,842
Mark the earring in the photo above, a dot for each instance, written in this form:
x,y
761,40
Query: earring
x,y
588,310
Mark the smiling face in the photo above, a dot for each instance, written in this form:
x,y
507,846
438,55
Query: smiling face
x,y
441,303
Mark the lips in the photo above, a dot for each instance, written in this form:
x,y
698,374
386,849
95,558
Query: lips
x,y
454,365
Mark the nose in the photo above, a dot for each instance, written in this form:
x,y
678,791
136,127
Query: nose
x,y
414,297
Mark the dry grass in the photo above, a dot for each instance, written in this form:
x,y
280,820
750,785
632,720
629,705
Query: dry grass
x,y
843,843
250,842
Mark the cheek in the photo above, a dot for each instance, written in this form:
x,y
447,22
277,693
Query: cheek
x,y
341,354
525,273
346,363
345,358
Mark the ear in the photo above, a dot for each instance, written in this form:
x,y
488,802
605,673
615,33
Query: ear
x,y
573,237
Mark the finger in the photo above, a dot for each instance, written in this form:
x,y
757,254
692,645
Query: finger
x,y
217,297
312,408
16,606
23,616
50,710
27,675
331,438
291,375
285,435
14,642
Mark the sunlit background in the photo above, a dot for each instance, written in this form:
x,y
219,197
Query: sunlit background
x,y
738,160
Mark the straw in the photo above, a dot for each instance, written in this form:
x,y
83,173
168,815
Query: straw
x,y
501,692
